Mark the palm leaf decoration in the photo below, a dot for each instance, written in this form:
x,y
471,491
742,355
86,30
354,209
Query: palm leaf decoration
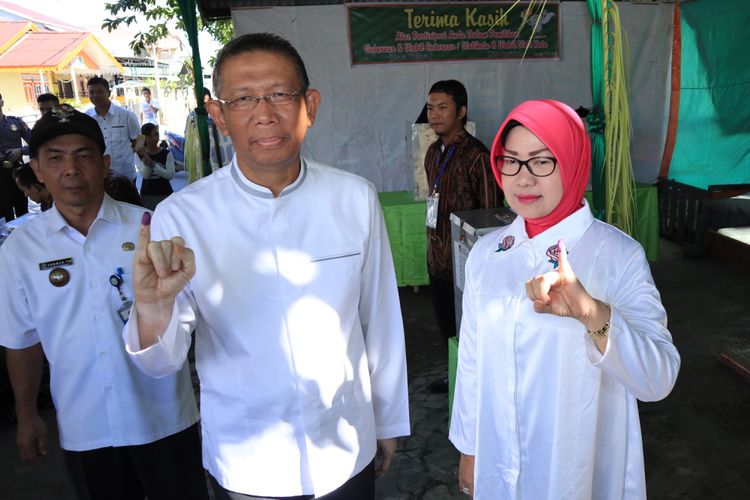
x,y
620,209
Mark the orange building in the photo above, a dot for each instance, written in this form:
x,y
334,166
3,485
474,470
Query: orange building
x,y
33,61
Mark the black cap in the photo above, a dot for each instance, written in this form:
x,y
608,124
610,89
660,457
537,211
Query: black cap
x,y
62,120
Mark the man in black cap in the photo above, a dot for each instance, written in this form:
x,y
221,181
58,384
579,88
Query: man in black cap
x,y
66,292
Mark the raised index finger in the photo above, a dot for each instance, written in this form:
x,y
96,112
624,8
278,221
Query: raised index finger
x,y
144,234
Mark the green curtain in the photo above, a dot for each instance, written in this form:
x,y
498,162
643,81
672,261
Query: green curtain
x,y
187,9
713,129
596,118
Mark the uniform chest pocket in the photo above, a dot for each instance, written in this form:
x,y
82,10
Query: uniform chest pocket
x,y
337,272
120,132
337,256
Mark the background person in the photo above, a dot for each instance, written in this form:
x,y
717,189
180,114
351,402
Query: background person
x,y
299,338
13,203
31,187
149,108
45,102
460,178
156,166
119,126
563,331
122,189
67,280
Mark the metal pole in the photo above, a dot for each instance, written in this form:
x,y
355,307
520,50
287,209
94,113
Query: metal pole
x,y
157,92
74,82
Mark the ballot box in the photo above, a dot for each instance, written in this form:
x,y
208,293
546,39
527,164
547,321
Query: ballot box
x,y
466,228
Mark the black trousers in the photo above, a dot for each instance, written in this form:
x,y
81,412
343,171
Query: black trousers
x,y
445,308
168,469
359,487
13,203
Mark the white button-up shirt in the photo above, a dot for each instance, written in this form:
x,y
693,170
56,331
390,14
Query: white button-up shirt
x,y
298,328
120,127
102,399
545,413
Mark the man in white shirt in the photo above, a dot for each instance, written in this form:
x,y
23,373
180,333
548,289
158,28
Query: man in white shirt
x,y
119,126
282,265
65,293
149,108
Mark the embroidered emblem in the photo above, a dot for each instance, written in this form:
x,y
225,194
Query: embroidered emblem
x,y
128,246
506,244
63,112
553,253
59,277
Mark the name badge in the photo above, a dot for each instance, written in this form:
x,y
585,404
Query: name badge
x,y
432,210
124,310
43,266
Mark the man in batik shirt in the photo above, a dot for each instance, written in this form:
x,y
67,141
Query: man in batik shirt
x,y
460,178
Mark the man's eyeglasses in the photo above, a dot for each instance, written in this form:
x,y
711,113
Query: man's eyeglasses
x,y
538,166
248,102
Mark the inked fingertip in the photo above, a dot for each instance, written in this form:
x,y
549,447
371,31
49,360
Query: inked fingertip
x,y
146,218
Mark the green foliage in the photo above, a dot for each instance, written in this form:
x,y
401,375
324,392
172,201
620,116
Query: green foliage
x,y
161,17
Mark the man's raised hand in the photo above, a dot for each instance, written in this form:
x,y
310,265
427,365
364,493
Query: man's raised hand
x,y
161,269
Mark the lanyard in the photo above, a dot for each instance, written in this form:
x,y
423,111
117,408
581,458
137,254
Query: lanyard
x,y
448,157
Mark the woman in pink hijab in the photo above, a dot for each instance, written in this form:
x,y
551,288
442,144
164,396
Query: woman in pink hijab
x,y
562,332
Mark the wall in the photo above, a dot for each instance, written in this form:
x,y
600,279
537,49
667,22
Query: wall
x,y
365,116
11,88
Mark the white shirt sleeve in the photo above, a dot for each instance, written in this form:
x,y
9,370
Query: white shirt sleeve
x,y
382,324
18,330
165,171
640,352
168,354
134,129
143,169
463,426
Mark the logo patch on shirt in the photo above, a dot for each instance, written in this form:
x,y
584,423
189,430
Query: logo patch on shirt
x,y
506,244
553,253
128,246
43,266
59,277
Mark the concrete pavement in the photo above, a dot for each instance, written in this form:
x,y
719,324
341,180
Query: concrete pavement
x,y
696,441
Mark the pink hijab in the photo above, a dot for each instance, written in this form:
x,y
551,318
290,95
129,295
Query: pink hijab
x,y
563,132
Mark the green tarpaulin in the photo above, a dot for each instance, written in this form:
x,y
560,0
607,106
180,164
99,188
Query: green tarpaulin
x,y
713,131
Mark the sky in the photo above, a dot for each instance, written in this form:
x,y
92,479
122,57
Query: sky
x,y
86,13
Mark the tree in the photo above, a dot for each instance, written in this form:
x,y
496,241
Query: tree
x,y
160,16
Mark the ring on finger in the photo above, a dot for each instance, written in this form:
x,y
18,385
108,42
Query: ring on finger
x,y
466,491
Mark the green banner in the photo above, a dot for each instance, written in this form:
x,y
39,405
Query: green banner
x,y
453,31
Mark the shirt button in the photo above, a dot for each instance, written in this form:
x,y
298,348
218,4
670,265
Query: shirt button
x,y
108,388
102,354
92,284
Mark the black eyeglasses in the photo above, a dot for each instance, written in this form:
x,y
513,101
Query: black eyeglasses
x,y
248,102
538,166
